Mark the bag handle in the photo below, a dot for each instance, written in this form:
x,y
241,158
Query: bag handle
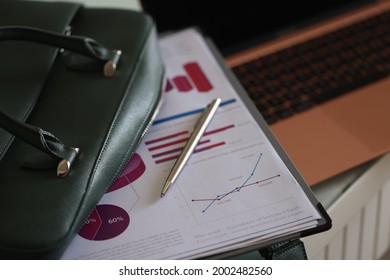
x,y
79,44
42,140
35,136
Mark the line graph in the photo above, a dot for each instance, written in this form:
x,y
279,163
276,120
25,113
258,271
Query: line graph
x,y
245,184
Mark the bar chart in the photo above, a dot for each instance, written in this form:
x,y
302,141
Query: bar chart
x,y
194,78
168,147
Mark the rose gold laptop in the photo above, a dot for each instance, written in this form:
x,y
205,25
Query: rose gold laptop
x,y
318,71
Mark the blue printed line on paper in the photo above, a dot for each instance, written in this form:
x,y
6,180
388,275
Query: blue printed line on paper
x,y
189,113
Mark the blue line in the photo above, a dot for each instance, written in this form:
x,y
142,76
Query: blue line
x,y
189,113
208,206
236,189
253,171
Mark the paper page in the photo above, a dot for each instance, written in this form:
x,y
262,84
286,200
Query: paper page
x,y
235,190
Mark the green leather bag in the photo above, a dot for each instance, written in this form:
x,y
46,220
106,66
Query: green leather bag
x,y
55,96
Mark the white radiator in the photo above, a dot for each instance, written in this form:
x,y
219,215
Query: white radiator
x,y
361,219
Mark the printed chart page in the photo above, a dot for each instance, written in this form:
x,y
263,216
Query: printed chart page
x,y
234,191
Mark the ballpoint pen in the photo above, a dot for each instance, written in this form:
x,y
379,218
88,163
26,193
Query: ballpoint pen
x,y
189,148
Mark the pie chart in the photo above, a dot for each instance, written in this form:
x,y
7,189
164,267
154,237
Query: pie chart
x,y
134,169
105,222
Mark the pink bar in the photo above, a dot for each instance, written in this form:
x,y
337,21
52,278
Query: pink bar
x,y
168,86
166,159
182,84
166,137
168,144
218,130
196,151
198,77
176,150
209,147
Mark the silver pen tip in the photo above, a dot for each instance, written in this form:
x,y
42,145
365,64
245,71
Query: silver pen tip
x,y
167,185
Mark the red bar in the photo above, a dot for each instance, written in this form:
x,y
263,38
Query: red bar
x,y
165,137
218,130
166,159
196,151
198,77
167,152
168,144
209,147
182,84
176,150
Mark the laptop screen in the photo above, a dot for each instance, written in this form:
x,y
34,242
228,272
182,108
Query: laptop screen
x,y
235,25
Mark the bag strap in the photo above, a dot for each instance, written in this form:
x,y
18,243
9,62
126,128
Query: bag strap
x,y
78,44
42,140
35,136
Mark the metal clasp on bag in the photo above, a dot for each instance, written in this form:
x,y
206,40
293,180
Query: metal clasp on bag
x,y
64,165
83,63
110,66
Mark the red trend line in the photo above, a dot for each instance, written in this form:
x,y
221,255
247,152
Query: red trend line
x,y
218,198
236,189
244,185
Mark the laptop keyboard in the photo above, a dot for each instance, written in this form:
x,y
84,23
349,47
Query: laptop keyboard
x,y
295,79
